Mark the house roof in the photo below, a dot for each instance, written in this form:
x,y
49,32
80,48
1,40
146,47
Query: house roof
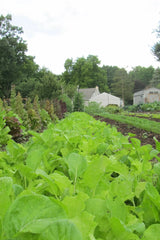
x,y
146,89
104,96
87,92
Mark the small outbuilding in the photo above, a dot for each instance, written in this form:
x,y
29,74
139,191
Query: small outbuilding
x,y
148,95
106,99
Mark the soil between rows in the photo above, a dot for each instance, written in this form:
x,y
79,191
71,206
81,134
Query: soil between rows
x,y
144,136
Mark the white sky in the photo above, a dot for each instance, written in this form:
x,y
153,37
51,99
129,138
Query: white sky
x,y
119,32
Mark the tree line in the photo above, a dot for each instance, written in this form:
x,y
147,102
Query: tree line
x,y
19,69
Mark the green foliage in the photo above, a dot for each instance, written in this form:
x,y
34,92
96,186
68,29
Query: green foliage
x,y
79,179
146,107
156,50
68,102
47,85
1,104
4,130
155,81
14,126
121,85
141,76
12,54
141,123
93,108
60,108
78,103
19,117
156,47
85,72
113,109
13,98
50,109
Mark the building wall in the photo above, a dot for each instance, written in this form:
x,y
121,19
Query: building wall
x,y
146,96
139,98
105,99
96,92
152,95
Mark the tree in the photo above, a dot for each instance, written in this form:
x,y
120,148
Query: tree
x,y
68,72
141,76
27,82
110,71
122,86
48,85
86,73
155,82
78,103
12,54
156,47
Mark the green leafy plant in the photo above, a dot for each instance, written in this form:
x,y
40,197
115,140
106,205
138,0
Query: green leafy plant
x,y
14,126
68,102
141,123
93,108
79,179
4,130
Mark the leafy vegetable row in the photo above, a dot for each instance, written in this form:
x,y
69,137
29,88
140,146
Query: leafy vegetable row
x,y
79,179
137,122
143,115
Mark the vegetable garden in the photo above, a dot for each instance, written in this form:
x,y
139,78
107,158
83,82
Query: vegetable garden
x,y
79,179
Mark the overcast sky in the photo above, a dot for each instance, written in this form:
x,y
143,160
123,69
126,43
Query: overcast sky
x,y
119,32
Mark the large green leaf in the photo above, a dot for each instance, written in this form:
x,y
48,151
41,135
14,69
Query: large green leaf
x,y
95,171
96,207
86,224
153,194
49,229
6,184
152,232
15,152
63,182
35,156
120,231
75,204
62,229
77,165
28,209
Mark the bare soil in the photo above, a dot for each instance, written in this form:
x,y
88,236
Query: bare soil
x,y
144,136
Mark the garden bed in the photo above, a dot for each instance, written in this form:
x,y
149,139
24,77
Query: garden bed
x,y
144,136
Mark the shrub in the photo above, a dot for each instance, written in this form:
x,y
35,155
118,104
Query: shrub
x,y
14,126
93,108
4,130
113,109
68,102
78,103
60,108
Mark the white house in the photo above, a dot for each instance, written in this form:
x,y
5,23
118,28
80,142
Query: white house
x,y
148,95
105,99
93,95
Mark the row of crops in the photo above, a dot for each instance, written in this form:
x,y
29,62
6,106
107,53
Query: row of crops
x,y
138,121
79,179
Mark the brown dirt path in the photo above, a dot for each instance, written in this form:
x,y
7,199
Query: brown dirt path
x,y
144,136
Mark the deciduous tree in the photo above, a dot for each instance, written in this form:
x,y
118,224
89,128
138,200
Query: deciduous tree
x,y
86,73
156,47
12,54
